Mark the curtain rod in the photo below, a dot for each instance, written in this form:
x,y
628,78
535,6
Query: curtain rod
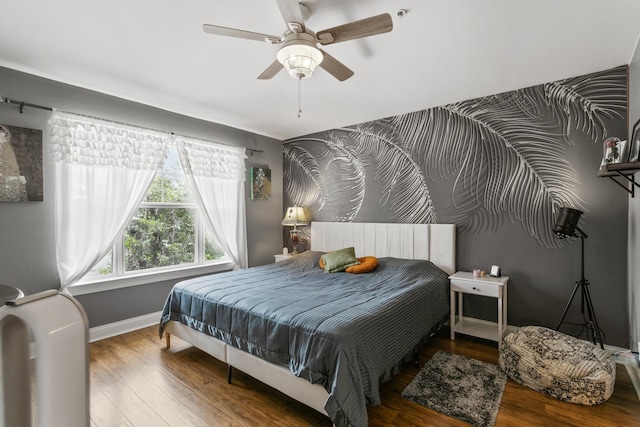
x,y
253,150
23,104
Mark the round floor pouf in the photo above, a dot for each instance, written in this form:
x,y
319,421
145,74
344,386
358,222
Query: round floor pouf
x,y
558,365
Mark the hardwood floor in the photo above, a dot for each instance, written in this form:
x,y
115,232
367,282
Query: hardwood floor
x,y
136,381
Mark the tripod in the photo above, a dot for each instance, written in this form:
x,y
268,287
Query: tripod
x,y
583,284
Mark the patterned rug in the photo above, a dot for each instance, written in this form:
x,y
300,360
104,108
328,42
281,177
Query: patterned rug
x,y
460,387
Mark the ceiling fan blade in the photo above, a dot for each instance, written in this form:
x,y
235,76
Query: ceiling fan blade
x,y
271,70
290,11
242,34
357,29
334,67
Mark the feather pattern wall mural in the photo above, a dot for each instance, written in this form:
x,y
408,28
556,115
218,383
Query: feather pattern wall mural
x,y
504,154
404,186
504,164
584,103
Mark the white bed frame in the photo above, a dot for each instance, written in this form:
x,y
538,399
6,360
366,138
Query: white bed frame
x,y
433,242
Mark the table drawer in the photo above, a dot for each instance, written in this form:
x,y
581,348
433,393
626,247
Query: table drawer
x,y
476,287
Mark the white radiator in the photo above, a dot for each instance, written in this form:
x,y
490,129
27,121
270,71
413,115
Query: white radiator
x,y
52,389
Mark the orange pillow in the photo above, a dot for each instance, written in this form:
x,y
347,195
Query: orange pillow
x,y
367,264
321,262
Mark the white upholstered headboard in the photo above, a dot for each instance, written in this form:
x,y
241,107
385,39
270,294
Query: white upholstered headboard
x,y
433,242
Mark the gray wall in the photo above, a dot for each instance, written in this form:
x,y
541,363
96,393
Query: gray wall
x,y
27,248
402,170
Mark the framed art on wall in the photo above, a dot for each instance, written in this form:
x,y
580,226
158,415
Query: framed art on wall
x,y
260,183
20,164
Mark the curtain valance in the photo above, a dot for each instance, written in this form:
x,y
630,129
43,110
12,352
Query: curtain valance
x,y
91,141
205,159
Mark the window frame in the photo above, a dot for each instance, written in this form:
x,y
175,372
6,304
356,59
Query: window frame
x,y
101,284
119,278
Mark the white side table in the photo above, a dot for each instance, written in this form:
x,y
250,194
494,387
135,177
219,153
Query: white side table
x,y
463,282
281,257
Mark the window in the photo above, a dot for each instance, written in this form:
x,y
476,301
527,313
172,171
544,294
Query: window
x,y
104,171
166,232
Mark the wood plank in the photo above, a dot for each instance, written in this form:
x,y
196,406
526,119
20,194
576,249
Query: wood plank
x,y
176,415
137,411
137,382
193,400
103,412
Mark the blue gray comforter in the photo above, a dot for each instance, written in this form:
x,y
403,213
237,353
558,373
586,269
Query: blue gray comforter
x,y
347,332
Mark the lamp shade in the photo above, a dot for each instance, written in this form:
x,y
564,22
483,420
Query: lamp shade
x,y
295,216
300,57
567,222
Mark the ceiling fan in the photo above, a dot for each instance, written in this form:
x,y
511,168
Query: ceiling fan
x,y
300,54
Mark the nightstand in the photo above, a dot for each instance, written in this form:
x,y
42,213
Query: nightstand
x,y
281,257
463,282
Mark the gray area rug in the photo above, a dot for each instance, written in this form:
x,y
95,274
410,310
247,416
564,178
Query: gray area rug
x,y
460,387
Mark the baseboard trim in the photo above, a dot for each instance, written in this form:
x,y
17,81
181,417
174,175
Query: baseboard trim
x,y
123,326
634,374
630,363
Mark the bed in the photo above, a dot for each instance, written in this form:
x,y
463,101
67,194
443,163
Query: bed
x,y
326,340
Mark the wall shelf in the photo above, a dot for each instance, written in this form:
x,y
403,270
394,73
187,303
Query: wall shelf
x,y
624,171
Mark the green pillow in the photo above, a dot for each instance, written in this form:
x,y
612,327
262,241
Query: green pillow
x,y
339,260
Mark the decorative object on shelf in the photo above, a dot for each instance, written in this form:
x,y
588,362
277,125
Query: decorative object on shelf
x,y
634,142
566,226
295,216
613,151
260,183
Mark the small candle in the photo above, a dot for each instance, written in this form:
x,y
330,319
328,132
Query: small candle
x,y
476,273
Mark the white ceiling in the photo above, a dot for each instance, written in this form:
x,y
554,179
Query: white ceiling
x,y
155,52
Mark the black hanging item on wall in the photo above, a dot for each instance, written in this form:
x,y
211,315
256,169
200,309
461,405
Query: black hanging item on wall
x,y
567,226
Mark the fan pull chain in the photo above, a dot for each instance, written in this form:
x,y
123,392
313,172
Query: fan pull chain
x,y
299,96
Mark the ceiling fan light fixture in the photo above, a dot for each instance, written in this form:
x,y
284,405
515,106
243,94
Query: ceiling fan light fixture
x,y
300,57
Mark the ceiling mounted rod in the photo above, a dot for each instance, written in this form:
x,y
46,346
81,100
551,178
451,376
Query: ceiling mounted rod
x,y
23,104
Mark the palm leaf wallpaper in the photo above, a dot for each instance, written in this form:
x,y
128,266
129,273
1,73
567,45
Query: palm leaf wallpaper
x,y
503,155
499,167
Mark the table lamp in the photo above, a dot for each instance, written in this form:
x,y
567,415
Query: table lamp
x,y
295,216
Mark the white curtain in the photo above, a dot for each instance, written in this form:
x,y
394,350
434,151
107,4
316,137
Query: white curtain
x,y
217,173
103,170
